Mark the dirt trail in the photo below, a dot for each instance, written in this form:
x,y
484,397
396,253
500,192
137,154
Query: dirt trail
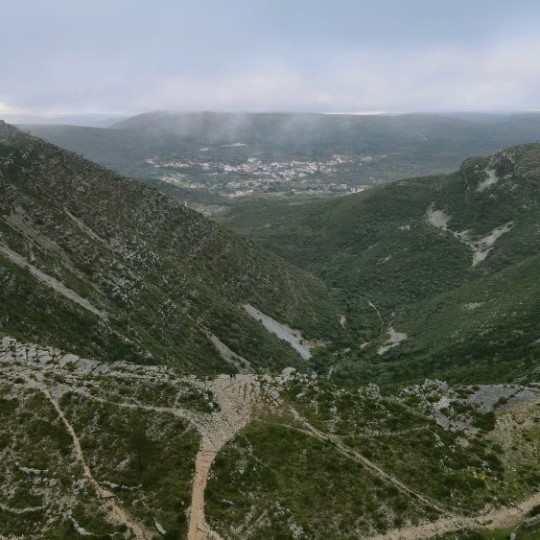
x,y
192,418
501,518
119,513
20,511
359,458
235,398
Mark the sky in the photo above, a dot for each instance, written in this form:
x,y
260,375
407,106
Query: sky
x,y
133,56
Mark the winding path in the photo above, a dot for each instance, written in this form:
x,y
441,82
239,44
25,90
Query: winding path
x,y
236,399
504,517
118,512
372,467
500,518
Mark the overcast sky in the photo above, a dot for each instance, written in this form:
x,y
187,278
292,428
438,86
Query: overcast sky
x,y
132,56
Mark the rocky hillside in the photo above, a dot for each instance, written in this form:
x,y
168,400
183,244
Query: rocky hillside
x,y
447,263
109,268
99,450
117,303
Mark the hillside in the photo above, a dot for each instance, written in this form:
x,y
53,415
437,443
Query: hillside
x,y
97,450
448,262
213,159
106,267
124,314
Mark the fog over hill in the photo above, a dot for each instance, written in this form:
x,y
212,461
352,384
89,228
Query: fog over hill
x,y
217,158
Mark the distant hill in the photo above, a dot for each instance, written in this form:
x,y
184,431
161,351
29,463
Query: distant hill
x,y
104,266
312,135
449,263
195,152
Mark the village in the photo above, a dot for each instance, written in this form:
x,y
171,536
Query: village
x,y
255,176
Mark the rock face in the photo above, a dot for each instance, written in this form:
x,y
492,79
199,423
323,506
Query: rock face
x,y
100,264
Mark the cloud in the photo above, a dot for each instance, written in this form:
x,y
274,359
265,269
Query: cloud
x,y
299,56
507,77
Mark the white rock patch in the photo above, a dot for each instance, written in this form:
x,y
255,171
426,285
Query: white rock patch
x,y
395,338
480,246
437,218
491,180
483,246
282,331
471,306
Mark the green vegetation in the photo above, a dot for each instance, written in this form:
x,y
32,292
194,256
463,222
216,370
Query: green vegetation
x,y
405,442
161,274
295,471
37,472
149,457
275,481
405,252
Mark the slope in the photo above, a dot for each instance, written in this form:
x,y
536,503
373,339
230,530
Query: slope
x,y
448,261
107,267
93,449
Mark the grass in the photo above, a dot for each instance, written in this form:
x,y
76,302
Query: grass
x,y
151,457
273,480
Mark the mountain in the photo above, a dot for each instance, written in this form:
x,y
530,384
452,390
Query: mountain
x,y
214,158
144,392
105,267
447,262
440,261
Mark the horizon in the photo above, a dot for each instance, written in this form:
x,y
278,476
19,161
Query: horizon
x,y
10,117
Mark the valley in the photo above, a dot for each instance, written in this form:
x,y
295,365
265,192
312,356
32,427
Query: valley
x,y
270,270
363,366
213,160
441,258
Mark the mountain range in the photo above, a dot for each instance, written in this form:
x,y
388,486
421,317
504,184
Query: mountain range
x,y
210,159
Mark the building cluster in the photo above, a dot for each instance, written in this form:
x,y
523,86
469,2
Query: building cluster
x,y
254,175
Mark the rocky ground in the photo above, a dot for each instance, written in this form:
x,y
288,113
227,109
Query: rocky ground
x,y
121,450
